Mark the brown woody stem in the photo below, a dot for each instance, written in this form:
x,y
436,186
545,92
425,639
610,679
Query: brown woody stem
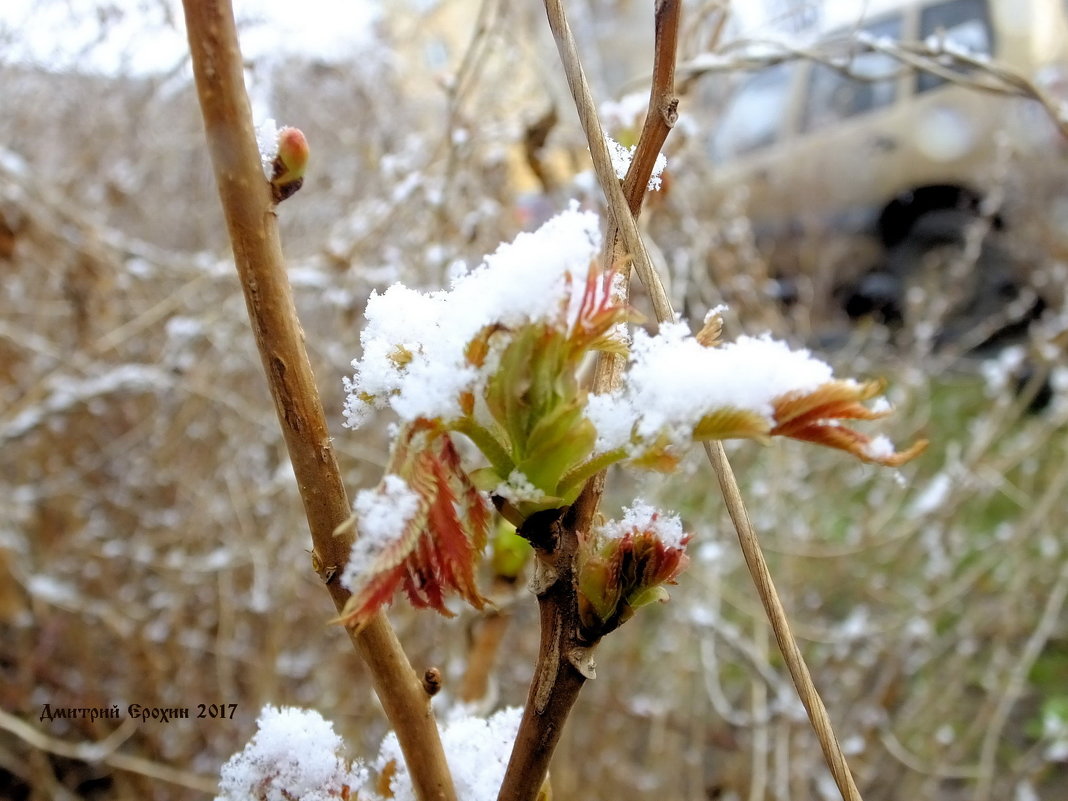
x,y
564,659
250,219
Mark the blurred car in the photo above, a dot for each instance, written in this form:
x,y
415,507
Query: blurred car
x,y
917,176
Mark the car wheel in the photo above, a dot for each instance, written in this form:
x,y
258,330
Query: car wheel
x,y
955,279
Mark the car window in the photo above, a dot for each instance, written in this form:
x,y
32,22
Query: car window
x,y
961,24
866,81
754,116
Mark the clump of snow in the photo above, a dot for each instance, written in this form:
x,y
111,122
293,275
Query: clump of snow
x,y
642,516
880,447
673,381
518,489
614,418
477,750
381,517
414,343
622,157
267,142
295,755
716,311
881,405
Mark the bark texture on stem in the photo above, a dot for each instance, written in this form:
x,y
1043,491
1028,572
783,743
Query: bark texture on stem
x,y
250,219
564,660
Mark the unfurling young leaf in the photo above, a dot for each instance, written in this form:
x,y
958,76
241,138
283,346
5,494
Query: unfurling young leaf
x,y
423,528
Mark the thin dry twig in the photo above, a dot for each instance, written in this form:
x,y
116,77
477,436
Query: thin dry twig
x,y
658,123
780,625
252,224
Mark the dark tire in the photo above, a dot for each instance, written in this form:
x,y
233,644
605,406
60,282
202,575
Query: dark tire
x,y
954,274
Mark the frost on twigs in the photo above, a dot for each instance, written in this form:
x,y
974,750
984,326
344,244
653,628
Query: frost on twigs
x,y
624,565
423,528
284,156
294,756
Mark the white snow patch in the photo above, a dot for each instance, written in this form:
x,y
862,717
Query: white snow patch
x,y
642,516
879,447
622,156
674,381
381,517
518,489
477,750
295,755
414,343
267,142
614,418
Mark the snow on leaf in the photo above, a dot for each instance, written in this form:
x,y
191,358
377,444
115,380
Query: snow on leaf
x,y
448,336
679,388
431,544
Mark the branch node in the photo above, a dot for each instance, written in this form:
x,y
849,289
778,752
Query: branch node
x,y
432,681
582,660
544,576
669,112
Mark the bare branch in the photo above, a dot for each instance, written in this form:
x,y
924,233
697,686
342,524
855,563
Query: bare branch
x,y
250,218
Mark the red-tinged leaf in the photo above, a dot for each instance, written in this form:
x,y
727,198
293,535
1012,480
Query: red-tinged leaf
x,y
835,400
438,549
814,417
597,313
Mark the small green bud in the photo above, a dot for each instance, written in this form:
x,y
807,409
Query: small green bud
x,y
510,551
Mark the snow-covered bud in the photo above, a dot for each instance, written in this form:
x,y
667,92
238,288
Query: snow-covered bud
x,y
624,565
